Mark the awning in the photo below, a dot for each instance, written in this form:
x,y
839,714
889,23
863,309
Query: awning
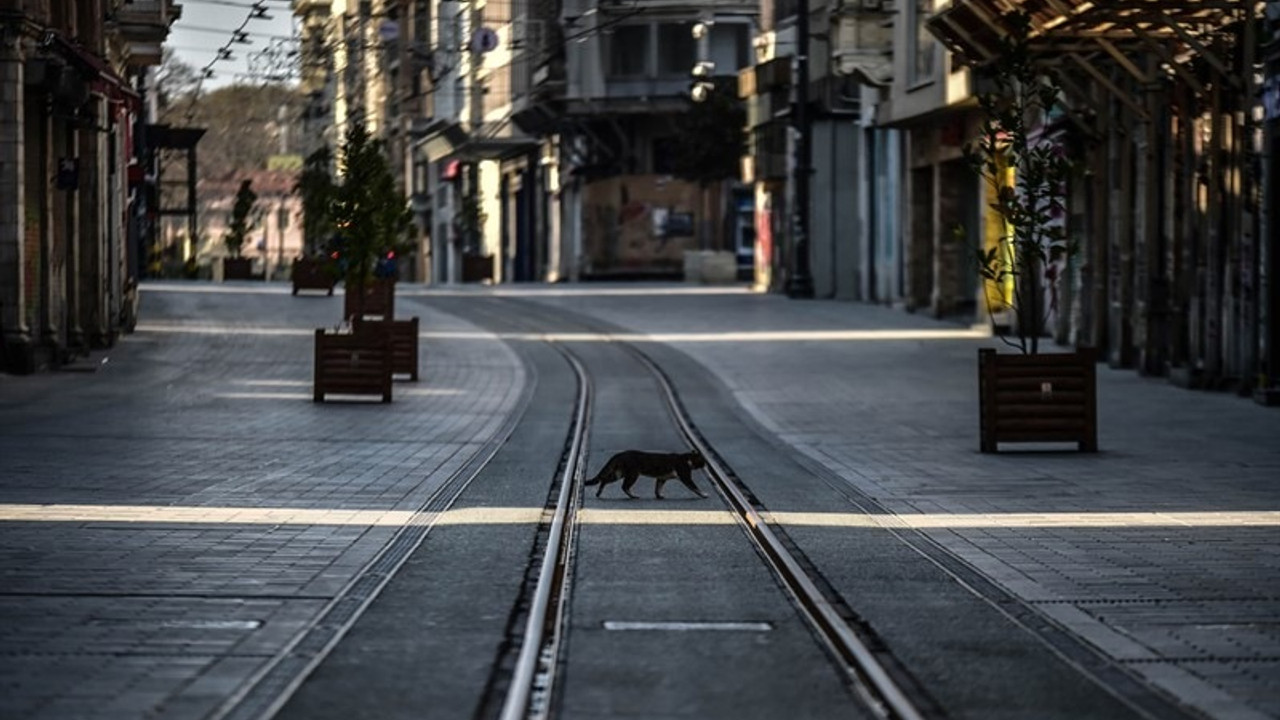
x,y
174,138
104,80
972,29
453,141
1080,33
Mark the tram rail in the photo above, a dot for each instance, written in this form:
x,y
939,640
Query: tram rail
x,y
531,690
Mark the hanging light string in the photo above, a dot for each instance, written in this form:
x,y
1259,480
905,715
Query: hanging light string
x,y
257,11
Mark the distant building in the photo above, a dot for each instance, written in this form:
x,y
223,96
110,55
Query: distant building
x,y
275,235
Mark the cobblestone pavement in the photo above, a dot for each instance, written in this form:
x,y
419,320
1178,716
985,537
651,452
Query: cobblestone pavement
x,y
1163,550
171,521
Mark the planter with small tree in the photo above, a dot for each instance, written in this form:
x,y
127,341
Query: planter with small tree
x,y
236,267
1029,396
372,222
469,226
371,219
314,270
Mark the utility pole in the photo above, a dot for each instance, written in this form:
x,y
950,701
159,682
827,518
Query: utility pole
x,y
800,279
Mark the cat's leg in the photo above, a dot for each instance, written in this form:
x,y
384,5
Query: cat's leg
x,y
687,478
630,480
657,487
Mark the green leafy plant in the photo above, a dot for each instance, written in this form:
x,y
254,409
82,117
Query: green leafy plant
x,y
711,136
470,221
240,225
315,187
1027,176
370,216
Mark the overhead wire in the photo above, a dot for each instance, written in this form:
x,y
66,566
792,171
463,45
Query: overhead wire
x,y
239,36
619,15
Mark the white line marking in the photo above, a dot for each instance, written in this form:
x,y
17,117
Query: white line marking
x,y
688,626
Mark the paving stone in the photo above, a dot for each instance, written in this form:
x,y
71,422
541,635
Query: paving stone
x,y
897,419
200,420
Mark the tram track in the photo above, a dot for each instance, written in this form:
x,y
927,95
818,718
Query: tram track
x,y
525,680
878,679
533,681
271,688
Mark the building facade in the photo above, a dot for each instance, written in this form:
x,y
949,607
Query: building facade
x,y
71,79
536,139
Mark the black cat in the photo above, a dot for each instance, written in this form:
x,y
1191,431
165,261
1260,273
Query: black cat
x,y
631,464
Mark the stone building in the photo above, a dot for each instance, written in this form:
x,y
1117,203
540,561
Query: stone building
x,y
69,109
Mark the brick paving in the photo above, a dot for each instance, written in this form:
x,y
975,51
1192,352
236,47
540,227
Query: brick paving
x,y
206,510
1190,601
203,421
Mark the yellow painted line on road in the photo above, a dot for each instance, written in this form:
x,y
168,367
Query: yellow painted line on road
x,y
609,516
261,516
1032,520
595,516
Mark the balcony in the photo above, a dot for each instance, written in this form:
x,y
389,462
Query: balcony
x,y
645,88
144,26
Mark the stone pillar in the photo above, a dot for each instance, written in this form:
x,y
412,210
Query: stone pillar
x,y
59,332
91,292
15,333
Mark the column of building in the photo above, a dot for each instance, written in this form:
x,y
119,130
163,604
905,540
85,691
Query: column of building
x,y
15,330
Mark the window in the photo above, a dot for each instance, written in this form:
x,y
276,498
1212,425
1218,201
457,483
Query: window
x,y
923,45
730,47
677,50
629,51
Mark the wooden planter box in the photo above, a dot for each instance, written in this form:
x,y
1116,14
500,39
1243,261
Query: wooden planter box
x,y
238,268
354,363
404,344
1038,398
312,274
477,268
379,300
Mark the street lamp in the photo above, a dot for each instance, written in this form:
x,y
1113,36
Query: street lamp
x,y
702,83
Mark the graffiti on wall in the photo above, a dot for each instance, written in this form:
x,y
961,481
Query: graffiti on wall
x,y
638,223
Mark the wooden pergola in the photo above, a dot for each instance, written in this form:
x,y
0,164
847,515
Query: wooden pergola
x,y
1165,92
1189,39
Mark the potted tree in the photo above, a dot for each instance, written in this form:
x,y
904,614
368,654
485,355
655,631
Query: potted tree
x,y
371,222
371,218
469,226
314,270
1028,396
236,267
